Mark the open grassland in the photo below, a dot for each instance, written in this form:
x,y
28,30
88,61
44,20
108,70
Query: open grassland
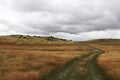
x,y
110,60
32,59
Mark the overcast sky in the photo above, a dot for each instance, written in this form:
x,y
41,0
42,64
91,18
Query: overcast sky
x,y
69,19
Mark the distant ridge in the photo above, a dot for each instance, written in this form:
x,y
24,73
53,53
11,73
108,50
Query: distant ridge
x,y
103,41
27,39
99,40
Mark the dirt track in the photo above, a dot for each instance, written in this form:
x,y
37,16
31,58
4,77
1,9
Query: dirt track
x,y
81,68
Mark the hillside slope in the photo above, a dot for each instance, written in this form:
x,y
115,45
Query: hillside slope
x,y
26,39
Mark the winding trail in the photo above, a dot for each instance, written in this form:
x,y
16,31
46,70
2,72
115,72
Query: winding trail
x,y
84,67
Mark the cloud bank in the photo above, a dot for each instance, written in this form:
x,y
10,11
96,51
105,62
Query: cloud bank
x,y
70,19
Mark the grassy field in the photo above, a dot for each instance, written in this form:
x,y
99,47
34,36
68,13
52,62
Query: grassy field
x,y
30,58
31,40
110,60
35,57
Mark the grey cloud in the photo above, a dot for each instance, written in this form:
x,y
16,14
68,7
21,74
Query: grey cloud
x,y
63,16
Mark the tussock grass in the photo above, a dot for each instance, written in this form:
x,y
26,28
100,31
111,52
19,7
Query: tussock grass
x,y
32,40
32,75
110,60
25,61
30,58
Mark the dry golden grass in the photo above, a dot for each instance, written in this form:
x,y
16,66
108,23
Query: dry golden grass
x,y
32,75
36,40
47,47
107,47
110,60
31,62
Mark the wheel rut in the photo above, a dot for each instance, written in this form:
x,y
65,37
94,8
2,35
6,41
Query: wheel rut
x,y
84,67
